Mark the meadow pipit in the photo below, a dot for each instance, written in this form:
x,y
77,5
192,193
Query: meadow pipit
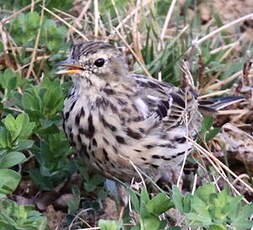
x,y
115,118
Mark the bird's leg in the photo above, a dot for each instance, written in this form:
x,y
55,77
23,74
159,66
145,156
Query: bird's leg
x,y
119,194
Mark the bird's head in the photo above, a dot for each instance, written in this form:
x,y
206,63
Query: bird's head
x,y
95,61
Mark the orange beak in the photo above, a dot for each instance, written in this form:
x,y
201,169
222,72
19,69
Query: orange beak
x,y
70,67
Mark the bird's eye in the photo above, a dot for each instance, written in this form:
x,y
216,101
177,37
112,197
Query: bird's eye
x,y
99,62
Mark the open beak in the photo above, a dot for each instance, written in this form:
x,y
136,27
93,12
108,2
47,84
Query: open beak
x,y
69,67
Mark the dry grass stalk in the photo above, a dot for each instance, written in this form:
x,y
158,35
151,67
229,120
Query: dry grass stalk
x,y
224,27
218,163
134,54
16,13
168,17
96,18
66,23
36,42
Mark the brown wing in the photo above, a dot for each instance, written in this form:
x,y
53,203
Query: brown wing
x,y
169,103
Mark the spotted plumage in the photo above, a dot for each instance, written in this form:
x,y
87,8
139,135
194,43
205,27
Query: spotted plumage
x,y
114,118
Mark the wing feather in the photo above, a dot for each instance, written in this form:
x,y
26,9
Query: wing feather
x,y
169,103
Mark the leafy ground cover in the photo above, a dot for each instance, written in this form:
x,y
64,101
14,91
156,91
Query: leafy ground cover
x,y
42,183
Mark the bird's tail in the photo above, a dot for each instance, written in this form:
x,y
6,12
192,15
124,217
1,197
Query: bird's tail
x,y
215,104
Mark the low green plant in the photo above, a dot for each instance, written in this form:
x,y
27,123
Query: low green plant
x,y
20,217
14,138
205,209
209,209
110,225
51,38
207,131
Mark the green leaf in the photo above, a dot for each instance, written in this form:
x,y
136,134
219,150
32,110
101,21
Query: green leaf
x,y
19,127
177,199
109,224
5,138
207,123
159,204
136,228
242,221
217,227
205,191
187,203
27,127
74,203
212,133
201,209
207,130
11,125
19,217
24,145
135,200
144,198
151,223
41,181
11,159
232,208
9,180
31,102
10,80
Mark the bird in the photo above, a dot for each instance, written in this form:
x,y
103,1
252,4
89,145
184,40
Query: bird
x,y
119,122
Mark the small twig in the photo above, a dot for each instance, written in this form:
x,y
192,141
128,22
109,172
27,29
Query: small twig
x,y
36,59
66,23
25,49
194,184
186,123
219,84
136,57
218,162
139,173
187,78
226,54
4,38
221,172
169,14
96,14
81,15
241,177
116,11
128,17
16,13
78,216
135,33
64,14
213,94
224,27
232,111
246,72
32,7
165,26
231,45
36,42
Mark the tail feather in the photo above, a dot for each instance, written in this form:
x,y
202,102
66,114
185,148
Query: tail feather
x,y
215,104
